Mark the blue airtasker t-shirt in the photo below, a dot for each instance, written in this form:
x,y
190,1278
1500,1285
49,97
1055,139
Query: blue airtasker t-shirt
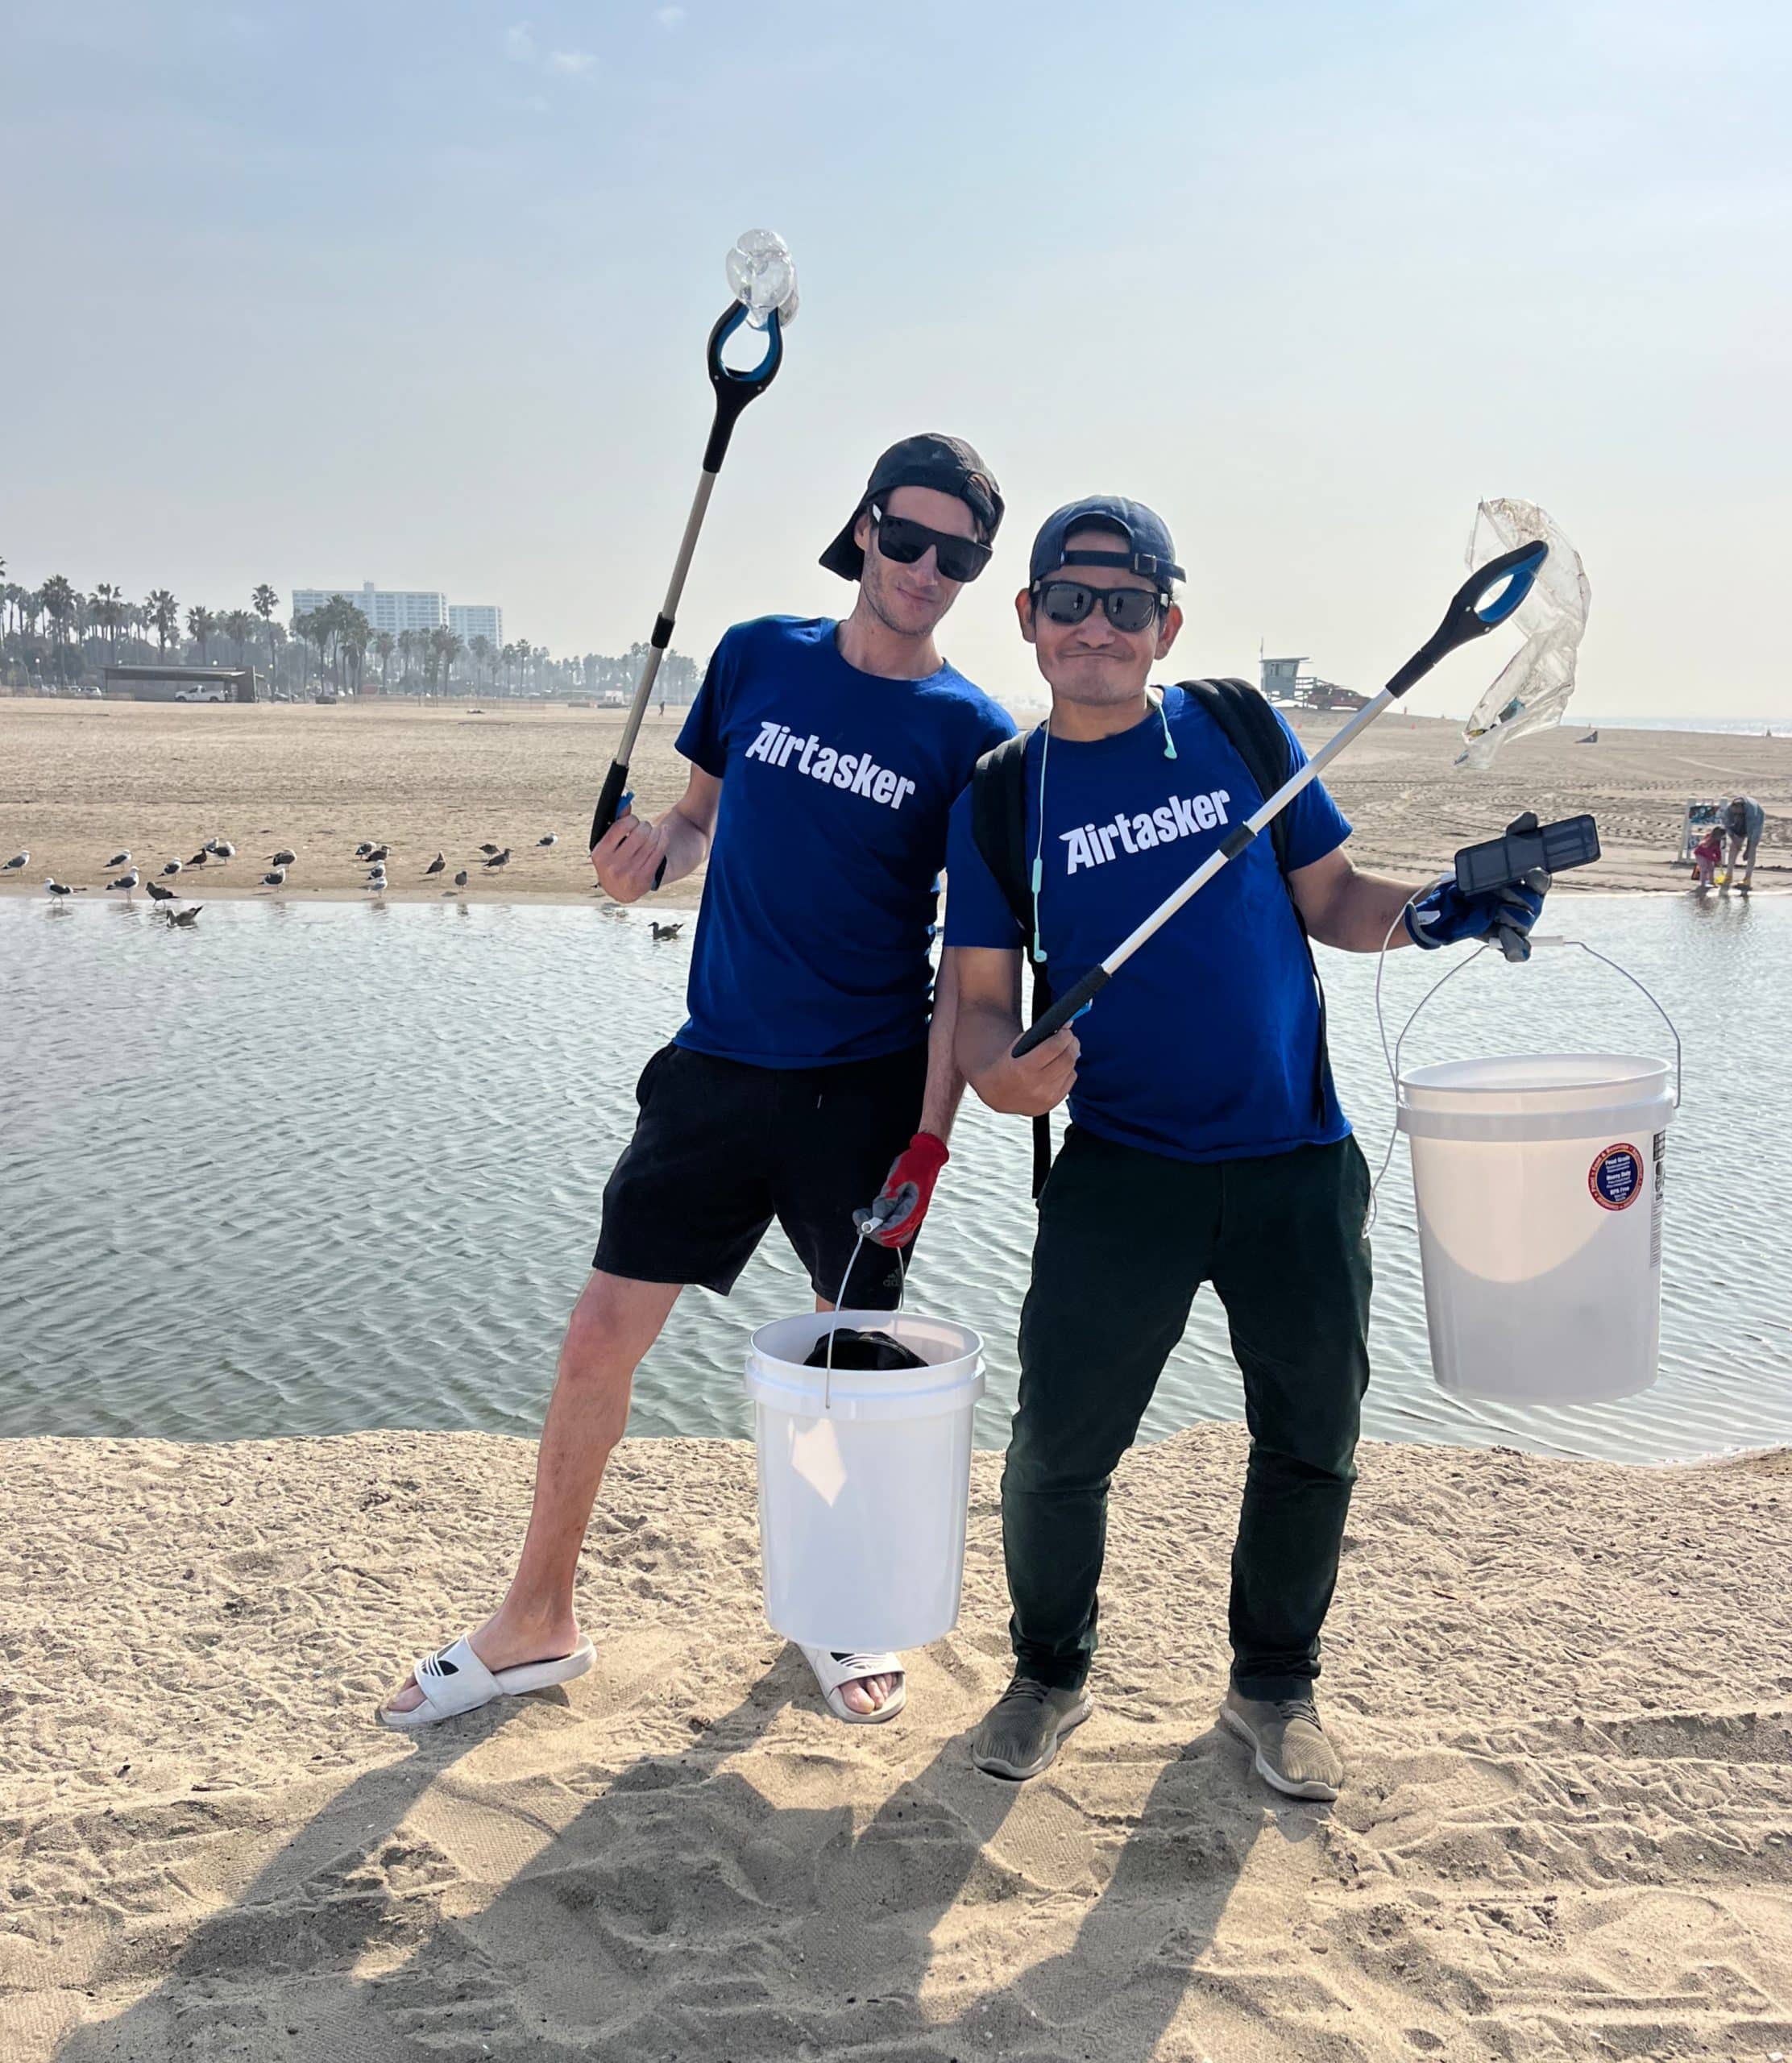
x,y
817,918
1205,1046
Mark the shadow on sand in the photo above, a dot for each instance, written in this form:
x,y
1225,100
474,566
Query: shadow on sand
x,y
680,1914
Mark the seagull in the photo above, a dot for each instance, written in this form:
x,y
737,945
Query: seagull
x,y
551,839
119,860
18,860
436,864
500,859
377,854
221,848
488,847
127,882
157,894
364,848
460,878
283,858
276,879
666,931
187,916
56,887
200,857
173,867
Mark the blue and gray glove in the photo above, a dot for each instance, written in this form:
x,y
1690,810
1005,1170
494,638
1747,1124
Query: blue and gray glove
x,y
1446,917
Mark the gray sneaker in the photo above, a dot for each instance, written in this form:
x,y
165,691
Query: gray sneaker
x,y
1021,1733
1292,1751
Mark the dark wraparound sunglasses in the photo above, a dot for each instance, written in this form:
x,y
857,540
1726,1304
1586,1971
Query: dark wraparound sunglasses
x,y
958,558
1127,609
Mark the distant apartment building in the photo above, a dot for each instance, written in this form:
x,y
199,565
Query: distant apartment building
x,y
477,620
386,608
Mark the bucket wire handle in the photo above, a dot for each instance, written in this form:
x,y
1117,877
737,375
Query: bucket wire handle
x,y
1637,982
1393,1057
840,1304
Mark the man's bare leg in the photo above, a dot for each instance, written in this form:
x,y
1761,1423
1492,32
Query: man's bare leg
x,y
612,1325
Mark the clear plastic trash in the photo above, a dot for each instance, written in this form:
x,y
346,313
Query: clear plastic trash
x,y
761,275
1534,686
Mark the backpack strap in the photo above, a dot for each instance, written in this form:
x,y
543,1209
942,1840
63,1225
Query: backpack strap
x,y
999,826
1250,726
1255,733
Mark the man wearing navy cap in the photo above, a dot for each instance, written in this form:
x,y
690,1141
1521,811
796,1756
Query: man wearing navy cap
x,y
1206,1142
825,758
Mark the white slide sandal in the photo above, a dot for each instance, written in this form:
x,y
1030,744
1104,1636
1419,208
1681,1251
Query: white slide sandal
x,y
456,1681
833,1671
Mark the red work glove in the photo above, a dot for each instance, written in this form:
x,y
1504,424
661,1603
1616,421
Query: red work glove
x,y
902,1203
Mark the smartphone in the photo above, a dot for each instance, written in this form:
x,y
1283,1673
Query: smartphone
x,y
1572,842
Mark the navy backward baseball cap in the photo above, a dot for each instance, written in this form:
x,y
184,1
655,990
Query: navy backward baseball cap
x,y
1149,550
947,463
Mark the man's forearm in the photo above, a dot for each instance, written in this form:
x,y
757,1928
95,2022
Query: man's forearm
x,y
987,1036
1365,908
686,845
945,1086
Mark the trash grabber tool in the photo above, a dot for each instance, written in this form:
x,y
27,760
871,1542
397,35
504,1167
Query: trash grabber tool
x,y
1485,599
733,391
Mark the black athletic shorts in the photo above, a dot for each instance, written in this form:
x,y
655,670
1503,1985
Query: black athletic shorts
x,y
720,1149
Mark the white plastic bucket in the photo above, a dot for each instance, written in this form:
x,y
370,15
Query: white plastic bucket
x,y
864,1481
1538,1179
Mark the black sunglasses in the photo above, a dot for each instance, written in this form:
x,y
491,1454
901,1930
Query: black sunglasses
x,y
1127,609
958,558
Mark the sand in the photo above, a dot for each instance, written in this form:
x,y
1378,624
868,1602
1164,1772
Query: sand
x,y
1565,1690
80,780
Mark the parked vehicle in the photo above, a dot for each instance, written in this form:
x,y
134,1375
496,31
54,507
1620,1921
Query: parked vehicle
x,y
204,691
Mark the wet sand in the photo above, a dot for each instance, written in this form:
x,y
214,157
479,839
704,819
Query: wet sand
x,y
79,781
1564,1691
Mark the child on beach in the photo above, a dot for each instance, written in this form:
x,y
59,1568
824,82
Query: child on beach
x,y
1706,855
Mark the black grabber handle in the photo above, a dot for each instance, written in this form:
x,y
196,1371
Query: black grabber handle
x,y
609,799
1071,1004
1485,599
733,391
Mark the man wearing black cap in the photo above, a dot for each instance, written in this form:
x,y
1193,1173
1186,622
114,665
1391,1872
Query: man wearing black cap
x,y
825,757
1206,1142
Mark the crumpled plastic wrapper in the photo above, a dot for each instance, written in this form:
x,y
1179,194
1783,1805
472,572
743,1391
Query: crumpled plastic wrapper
x,y
761,275
1533,688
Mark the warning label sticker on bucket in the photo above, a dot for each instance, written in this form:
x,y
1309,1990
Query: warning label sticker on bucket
x,y
1660,1185
1616,1177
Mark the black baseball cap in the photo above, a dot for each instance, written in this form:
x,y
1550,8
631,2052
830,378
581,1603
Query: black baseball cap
x,y
947,463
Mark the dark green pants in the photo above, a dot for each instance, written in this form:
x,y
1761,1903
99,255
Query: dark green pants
x,y
1125,1238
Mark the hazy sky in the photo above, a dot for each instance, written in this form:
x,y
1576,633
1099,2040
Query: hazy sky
x,y
418,293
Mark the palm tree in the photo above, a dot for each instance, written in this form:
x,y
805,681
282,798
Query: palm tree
x,y
239,627
305,629
59,601
480,647
265,602
385,645
164,613
354,636
201,623
109,613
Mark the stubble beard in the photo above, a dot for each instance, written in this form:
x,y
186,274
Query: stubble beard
x,y
1090,687
871,591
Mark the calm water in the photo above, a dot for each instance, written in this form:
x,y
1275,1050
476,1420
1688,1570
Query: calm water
x,y
309,1168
